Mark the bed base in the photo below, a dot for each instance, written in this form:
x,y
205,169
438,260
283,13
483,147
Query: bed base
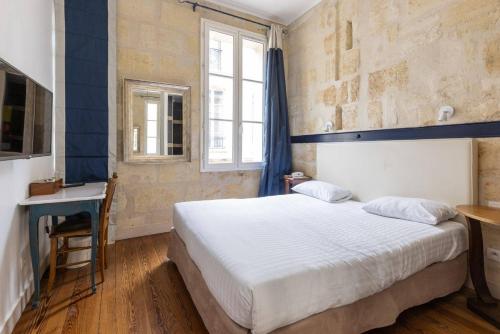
x,y
378,310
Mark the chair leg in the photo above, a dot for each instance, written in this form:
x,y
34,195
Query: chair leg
x,y
65,247
101,255
105,256
53,263
106,250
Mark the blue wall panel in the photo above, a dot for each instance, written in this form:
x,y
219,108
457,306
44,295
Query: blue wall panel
x,y
86,65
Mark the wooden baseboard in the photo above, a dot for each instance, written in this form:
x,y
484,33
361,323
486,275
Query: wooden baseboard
x,y
140,231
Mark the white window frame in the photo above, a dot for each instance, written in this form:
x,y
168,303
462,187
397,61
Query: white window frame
x,y
238,35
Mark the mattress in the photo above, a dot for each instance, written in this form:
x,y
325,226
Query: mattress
x,y
270,262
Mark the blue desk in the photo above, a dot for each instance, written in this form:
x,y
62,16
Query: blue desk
x,y
66,202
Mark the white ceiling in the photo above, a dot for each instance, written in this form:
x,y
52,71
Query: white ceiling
x,y
280,11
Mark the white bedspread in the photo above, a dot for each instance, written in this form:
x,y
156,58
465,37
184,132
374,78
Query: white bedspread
x,y
273,261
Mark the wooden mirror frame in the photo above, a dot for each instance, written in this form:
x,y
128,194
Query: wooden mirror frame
x,y
128,126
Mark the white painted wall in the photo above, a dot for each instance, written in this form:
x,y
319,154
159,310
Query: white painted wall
x,y
26,42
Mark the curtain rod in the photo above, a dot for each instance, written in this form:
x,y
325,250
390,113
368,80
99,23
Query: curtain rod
x,y
196,4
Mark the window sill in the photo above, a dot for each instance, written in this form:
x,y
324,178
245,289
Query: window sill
x,y
231,170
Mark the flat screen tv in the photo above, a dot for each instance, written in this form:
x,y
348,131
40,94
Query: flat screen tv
x,y
25,115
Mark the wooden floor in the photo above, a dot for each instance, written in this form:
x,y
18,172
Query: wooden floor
x,y
143,293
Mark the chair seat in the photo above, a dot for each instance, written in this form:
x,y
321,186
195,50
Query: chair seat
x,y
72,225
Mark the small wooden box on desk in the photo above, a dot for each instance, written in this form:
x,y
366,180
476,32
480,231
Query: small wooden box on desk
x,y
291,182
45,187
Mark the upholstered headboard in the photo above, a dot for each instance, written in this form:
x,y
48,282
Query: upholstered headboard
x,y
444,170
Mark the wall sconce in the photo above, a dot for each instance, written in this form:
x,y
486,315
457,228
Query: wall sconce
x,y
328,127
445,113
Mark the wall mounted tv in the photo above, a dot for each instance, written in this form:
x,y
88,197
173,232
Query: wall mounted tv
x,y
25,116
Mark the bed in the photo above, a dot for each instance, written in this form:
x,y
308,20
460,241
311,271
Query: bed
x,y
292,263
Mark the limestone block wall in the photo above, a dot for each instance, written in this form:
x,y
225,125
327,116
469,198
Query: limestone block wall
x,y
406,58
159,40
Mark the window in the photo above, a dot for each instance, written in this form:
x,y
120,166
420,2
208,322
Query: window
x,y
152,140
233,105
215,54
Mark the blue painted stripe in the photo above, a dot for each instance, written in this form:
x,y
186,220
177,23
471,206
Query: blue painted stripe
x,y
86,88
470,130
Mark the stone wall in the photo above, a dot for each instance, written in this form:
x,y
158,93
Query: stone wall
x,y
407,58
159,40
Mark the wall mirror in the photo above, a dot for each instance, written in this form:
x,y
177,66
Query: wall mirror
x,y
156,122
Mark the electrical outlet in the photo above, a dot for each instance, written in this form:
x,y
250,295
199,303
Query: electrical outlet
x,y
493,254
493,204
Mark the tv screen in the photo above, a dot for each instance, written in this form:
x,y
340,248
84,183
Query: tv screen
x,y
25,115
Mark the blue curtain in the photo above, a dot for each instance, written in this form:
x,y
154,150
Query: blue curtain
x,y
277,145
86,91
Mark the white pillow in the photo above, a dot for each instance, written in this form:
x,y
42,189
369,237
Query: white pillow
x,y
415,209
324,191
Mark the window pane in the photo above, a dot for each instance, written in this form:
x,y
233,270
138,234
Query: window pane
x,y
252,101
252,142
220,98
151,146
152,111
253,54
220,146
220,53
152,129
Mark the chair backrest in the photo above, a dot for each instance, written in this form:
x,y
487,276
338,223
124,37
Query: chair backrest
x,y
106,205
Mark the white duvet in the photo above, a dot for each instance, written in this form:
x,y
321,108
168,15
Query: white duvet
x,y
273,261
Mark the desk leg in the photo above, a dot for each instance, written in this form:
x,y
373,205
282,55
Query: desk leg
x,y
35,257
94,215
476,261
484,305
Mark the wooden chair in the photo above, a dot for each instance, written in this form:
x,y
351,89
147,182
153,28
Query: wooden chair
x,y
80,226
